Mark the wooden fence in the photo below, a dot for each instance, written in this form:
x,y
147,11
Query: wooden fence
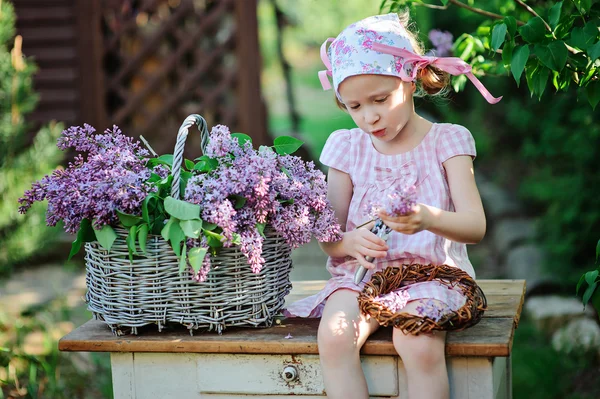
x,y
144,65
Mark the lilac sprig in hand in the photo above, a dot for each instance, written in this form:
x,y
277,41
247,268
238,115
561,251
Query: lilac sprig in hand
x,y
399,202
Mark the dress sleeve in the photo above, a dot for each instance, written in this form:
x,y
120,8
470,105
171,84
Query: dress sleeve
x,y
455,140
337,151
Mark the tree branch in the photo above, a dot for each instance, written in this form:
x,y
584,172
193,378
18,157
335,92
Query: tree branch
x,y
548,28
532,12
480,11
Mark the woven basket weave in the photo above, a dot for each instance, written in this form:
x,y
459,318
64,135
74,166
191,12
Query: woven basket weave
x,y
392,278
150,290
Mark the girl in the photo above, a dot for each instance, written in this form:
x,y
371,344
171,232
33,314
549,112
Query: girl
x,y
376,69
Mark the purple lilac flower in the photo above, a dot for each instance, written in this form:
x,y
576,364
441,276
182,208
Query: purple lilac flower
x,y
397,202
394,301
202,274
442,41
249,187
433,309
251,247
113,176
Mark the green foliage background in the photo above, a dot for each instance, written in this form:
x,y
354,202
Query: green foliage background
x,y
22,159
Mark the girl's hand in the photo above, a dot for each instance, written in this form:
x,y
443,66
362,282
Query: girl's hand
x,y
419,219
360,243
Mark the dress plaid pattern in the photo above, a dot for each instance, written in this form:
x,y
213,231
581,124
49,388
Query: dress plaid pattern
x,y
372,173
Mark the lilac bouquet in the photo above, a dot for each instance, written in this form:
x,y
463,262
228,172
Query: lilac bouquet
x,y
397,202
230,195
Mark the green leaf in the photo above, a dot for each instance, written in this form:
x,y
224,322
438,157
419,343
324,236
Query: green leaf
x,y
519,60
106,236
563,29
554,14
540,78
181,209
594,51
143,237
196,256
214,240
511,24
239,201
242,138
183,259
286,145
189,165
445,2
531,67
166,159
191,228
236,239
507,53
533,31
208,226
459,82
261,228
148,206
206,164
553,56
591,276
84,234
583,37
593,94
583,6
588,293
128,220
581,280
172,232
131,242
498,35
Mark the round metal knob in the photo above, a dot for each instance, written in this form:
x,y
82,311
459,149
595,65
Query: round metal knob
x,y
290,373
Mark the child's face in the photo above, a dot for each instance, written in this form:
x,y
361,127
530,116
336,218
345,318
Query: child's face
x,y
380,105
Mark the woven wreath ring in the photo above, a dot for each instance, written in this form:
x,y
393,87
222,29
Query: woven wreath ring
x,y
392,278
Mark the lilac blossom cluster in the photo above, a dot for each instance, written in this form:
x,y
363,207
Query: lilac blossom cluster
x,y
111,177
394,301
250,188
442,41
433,309
398,202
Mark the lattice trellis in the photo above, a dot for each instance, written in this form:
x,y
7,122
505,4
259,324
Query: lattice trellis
x,y
165,59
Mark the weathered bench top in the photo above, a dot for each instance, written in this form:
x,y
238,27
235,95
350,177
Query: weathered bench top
x,y
492,337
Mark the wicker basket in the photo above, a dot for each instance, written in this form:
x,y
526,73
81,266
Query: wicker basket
x,y
392,278
150,290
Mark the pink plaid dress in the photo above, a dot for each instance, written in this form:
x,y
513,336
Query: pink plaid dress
x,y
372,173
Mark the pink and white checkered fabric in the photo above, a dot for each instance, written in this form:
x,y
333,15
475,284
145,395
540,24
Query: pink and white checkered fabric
x,y
352,152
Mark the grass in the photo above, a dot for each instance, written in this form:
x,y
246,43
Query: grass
x,y
31,366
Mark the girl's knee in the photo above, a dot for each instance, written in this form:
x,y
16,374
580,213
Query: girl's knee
x,y
336,340
423,351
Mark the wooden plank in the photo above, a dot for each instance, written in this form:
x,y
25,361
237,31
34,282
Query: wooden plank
x,y
48,34
491,337
31,16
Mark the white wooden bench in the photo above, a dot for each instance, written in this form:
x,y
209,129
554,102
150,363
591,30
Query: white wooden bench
x,y
264,363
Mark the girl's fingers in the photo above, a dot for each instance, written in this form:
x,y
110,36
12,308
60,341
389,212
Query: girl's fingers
x,y
361,259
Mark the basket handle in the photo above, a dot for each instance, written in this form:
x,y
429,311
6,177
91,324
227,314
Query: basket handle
x,y
180,144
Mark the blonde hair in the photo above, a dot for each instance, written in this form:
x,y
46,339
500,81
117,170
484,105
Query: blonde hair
x,y
430,81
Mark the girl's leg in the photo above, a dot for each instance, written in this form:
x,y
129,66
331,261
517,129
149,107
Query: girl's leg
x,y
342,332
424,359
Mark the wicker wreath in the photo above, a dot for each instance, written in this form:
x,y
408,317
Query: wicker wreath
x,y
392,278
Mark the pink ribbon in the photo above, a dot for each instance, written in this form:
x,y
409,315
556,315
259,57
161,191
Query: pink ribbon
x,y
323,74
452,65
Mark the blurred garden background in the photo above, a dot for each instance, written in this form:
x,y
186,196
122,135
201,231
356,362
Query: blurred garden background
x,y
537,165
